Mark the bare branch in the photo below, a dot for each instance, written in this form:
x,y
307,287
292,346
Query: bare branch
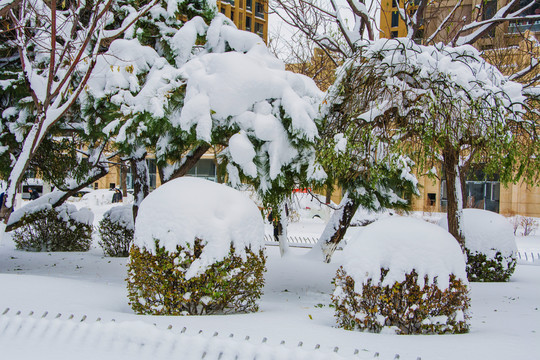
x,y
444,22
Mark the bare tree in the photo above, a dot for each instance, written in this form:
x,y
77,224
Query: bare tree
x,y
58,45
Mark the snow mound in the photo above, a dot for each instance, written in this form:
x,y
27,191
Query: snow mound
x,y
65,211
185,209
486,232
98,197
402,245
122,215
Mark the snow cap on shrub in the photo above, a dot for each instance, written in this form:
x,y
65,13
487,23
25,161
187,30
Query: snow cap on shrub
x,y
65,211
122,215
486,232
402,245
185,209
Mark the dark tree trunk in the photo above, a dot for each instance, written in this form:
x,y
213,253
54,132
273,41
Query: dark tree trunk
x,y
123,178
141,180
454,194
191,160
463,183
328,197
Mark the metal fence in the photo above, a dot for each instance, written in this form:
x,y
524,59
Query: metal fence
x,y
523,257
528,256
294,241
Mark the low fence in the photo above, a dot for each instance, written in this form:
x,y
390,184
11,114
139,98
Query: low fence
x,y
294,241
67,336
528,257
309,242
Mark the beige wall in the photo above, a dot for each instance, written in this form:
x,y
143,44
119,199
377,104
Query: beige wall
x,y
520,199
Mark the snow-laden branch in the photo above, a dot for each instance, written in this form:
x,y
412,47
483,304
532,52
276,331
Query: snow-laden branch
x,y
529,69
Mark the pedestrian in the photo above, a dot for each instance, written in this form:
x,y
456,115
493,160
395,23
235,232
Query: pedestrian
x,y
117,197
33,194
1,199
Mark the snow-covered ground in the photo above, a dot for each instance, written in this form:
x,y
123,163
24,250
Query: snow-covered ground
x,y
295,308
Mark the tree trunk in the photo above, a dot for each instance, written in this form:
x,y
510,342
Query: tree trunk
x,y
191,160
141,181
454,194
463,184
123,178
336,228
328,197
280,229
30,144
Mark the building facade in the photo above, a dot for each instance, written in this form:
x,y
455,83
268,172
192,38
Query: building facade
x,y
248,15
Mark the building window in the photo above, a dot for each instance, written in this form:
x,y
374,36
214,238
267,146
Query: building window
x,y
129,176
248,4
395,3
524,25
248,23
490,8
151,163
205,168
395,19
259,9
432,199
483,194
394,34
259,28
223,10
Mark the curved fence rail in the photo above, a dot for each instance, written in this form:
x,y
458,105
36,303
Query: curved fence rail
x,y
523,257
67,337
528,256
294,241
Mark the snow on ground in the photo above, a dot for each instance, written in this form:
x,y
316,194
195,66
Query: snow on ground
x,y
505,320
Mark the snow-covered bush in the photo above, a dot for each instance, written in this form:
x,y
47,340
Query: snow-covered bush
x,y
490,245
63,228
116,231
198,249
403,274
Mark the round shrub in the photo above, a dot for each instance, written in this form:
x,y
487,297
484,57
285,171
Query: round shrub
x,y
404,275
63,228
158,285
198,249
116,231
490,245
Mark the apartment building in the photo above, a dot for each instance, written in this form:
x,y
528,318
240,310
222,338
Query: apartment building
x,y
248,15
